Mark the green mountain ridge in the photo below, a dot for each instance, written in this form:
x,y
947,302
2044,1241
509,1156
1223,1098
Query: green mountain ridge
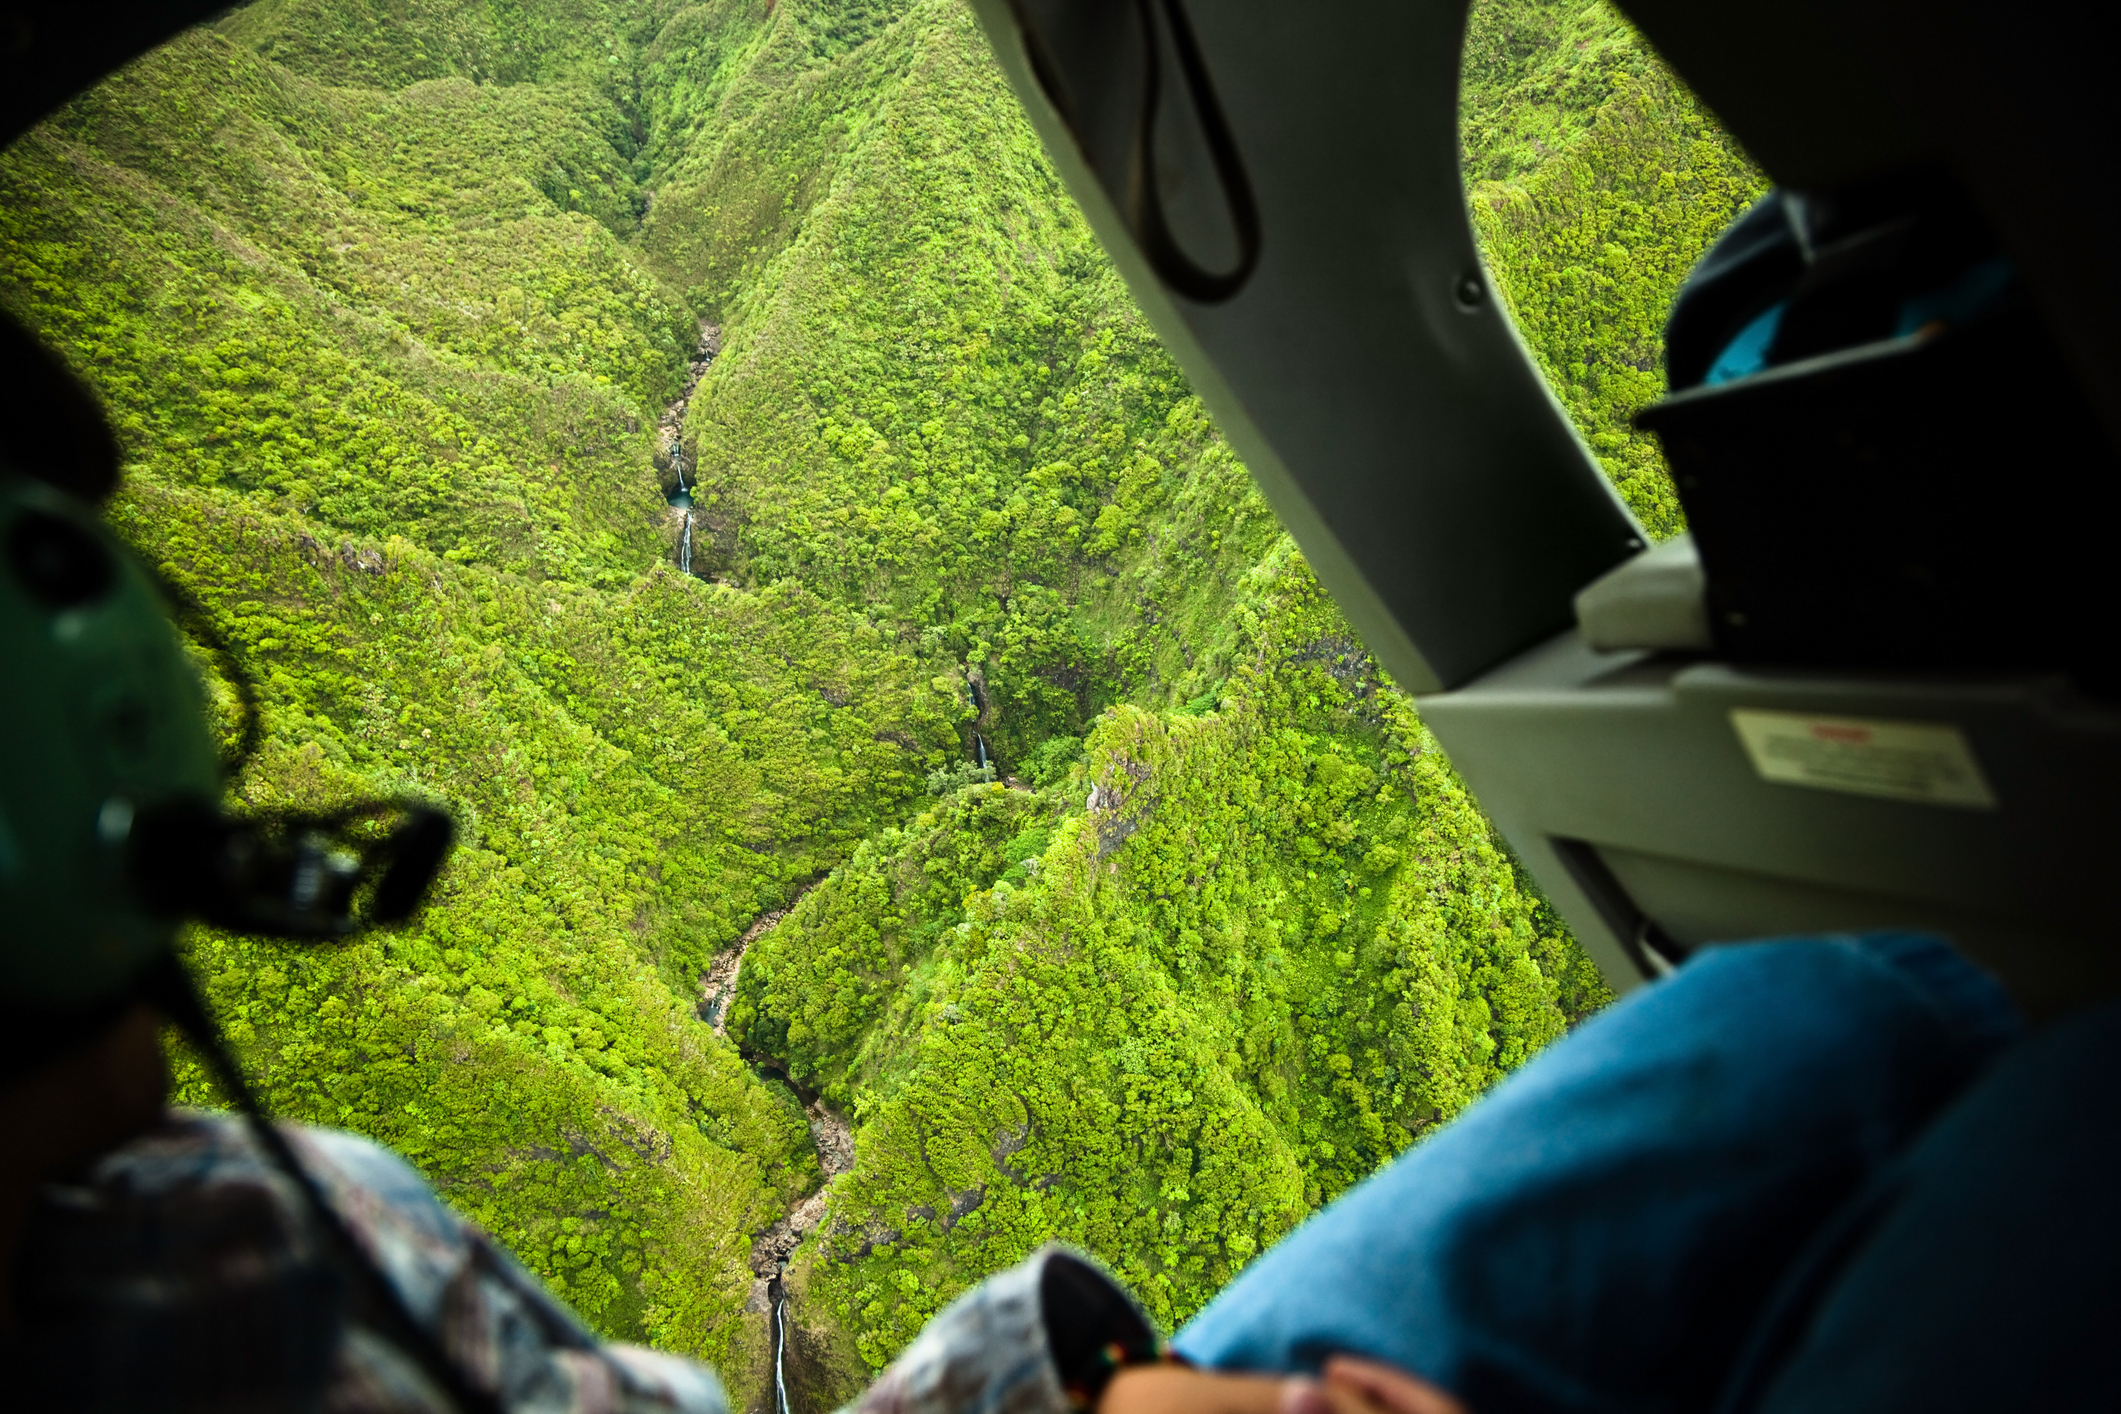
x,y
387,298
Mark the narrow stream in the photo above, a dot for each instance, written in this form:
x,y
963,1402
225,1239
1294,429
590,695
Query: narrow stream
x,y
831,1134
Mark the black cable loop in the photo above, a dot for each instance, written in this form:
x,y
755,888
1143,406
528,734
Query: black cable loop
x,y
1144,213
194,620
1145,205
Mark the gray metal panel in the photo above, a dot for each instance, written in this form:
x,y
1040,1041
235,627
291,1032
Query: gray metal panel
x,y
1416,456
1397,427
1636,755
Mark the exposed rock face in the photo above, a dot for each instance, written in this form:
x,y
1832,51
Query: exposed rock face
x,y
363,559
771,1249
718,982
670,430
1118,804
834,1138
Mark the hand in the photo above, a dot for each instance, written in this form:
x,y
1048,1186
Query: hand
x,y
1347,1385
1380,1389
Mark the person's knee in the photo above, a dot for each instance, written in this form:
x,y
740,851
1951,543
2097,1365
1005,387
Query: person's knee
x,y
1610,1220
1984,1277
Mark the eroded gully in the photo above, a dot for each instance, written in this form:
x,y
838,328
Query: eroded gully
x,y
830,1133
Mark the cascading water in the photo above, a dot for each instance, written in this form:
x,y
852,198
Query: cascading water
x,y
673,423
682,497
979,743
778,1292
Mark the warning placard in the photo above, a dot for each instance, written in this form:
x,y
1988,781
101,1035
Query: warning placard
x,y
1926,761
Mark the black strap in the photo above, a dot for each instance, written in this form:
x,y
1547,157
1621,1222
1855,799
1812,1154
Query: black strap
x,y
194,619
1145,203
170,988
1144,211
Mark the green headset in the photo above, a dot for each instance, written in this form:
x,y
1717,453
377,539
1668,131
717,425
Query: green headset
x,y
110,832
101,721
112,836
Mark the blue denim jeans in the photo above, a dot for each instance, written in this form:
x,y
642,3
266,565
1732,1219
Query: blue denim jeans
x,y
1983,1271
1606,1228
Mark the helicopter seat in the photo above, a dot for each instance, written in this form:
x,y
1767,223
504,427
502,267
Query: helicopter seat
x,y
1658,600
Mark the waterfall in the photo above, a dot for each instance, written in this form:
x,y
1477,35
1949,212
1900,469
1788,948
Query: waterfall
x,y
673,427
780,1344
682,497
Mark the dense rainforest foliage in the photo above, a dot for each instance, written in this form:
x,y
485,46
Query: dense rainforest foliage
x,y
390,300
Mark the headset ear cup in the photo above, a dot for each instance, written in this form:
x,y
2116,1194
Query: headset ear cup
x,y
417,850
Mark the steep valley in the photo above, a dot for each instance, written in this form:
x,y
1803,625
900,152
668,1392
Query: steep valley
x,y
412,314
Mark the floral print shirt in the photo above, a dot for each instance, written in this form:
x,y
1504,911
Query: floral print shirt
x,y
181,1272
